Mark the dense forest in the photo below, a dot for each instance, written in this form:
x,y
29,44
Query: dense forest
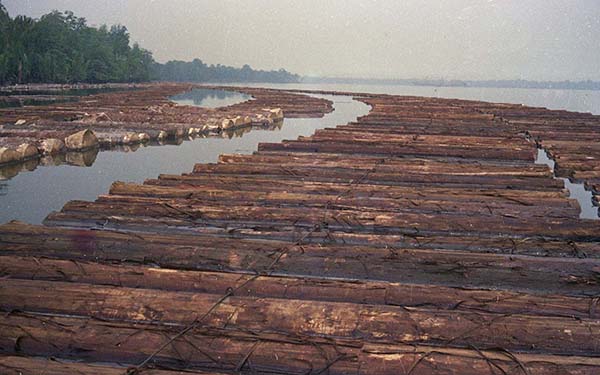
x,y
197,71
61,48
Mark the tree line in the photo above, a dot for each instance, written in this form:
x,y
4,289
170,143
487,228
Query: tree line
x,y
198,71
60,47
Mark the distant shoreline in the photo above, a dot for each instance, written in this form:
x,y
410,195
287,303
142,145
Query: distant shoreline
x,y
502,84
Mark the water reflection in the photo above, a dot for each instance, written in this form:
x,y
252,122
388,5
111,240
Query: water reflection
x,y
577,191
79,159
31,196
87,158
209,98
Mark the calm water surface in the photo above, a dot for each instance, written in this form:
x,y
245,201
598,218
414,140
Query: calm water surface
x,y
572,100
577,191
210,98
31,196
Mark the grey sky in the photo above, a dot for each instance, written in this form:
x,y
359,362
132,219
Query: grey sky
x,y
463,39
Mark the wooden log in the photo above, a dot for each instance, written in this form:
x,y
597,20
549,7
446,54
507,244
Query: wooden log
x,y
222,350
339,135
127,193
330,320
15,234
147,110
360,188
349,220
422,266
356,259
354,148
423,165
13,365
305,288
382,175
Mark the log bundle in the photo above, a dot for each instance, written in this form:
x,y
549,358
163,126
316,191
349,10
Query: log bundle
x,y
420,239
571,139
136,115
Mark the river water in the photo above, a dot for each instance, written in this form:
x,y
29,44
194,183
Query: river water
x,y
210,98
577,191
572,100
30,196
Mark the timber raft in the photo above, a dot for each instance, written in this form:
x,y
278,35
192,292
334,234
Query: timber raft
x,y
421,239
74,130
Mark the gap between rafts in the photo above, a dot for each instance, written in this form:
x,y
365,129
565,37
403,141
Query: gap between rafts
x,y
576,190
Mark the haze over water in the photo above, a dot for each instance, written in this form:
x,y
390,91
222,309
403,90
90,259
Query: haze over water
x,y
549,40
571,100
552,40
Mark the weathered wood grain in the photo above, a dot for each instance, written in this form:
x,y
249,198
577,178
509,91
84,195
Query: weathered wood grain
x,y
72,269
100,341
419,239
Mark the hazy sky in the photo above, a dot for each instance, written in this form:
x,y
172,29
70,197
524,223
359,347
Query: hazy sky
x,y
463,39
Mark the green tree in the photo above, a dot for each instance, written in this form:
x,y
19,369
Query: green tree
x,y
60,47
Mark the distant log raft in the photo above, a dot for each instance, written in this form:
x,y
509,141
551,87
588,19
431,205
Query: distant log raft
x,y
421,239
139,114
571,139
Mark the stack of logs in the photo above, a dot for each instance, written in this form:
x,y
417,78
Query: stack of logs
x,y
421,239
138,116
571,139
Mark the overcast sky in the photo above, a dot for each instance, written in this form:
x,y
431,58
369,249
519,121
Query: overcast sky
x,y
452,39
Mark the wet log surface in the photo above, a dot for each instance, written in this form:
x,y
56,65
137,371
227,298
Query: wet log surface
x,y
421,239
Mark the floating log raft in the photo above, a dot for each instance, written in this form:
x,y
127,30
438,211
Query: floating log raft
x,y
420,239
136,114
571,140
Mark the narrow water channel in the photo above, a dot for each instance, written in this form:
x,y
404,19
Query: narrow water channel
x,y
31,195
576,190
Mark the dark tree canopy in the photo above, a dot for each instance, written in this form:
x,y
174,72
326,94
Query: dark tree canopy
x,y
198,71
60,47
